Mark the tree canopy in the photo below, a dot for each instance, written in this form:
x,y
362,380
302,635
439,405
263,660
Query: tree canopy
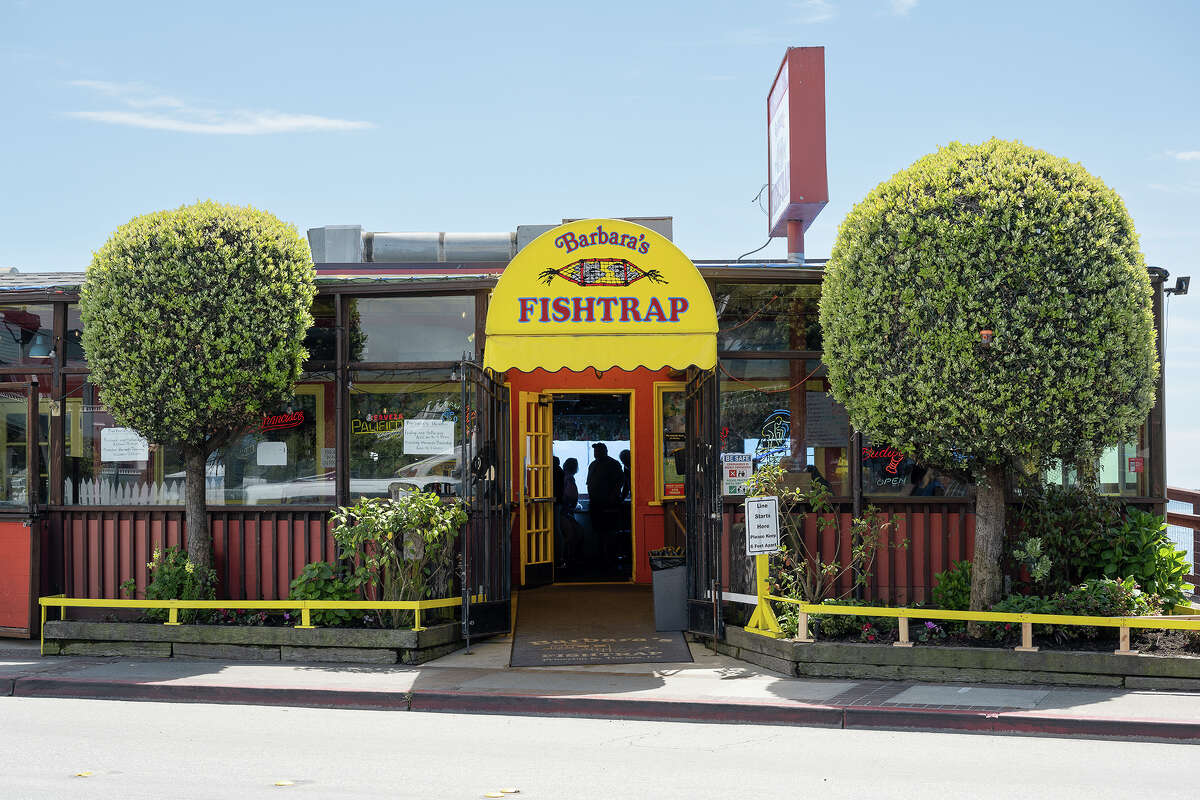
x,y
995,237
193,326
988,309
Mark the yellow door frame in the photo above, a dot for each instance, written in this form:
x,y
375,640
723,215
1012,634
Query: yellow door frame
x,y
536,443
632,466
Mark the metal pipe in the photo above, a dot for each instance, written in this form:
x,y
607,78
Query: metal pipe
x,y
440,246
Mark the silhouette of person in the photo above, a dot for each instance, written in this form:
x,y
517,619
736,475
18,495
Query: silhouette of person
x,y
625,469
570,501
560,532
604,500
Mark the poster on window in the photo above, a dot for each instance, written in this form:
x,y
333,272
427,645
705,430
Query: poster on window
x,y
428,437
272,454
123,444
825,421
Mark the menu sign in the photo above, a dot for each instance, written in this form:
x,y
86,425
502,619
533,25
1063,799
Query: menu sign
x,y
123,444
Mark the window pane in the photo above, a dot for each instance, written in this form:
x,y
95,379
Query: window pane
x,y
288,458
404,433
321,339
26,334
779,412
107,464
1123,469
15,441
887,470
412,328
74,338
768,317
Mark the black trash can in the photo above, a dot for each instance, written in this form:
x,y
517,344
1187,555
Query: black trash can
x,y
669,572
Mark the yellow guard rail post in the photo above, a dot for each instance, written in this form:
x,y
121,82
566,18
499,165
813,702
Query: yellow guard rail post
x,y
306,607
763,620
764,623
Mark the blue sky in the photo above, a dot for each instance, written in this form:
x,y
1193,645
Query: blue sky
x,y
483,116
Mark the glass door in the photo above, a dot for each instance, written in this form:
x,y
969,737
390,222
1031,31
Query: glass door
x,y
537,488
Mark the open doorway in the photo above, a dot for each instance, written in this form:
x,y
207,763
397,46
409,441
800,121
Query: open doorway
x,y
593,487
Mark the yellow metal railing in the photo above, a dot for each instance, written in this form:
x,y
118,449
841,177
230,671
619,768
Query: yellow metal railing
x,y
764,622
306,607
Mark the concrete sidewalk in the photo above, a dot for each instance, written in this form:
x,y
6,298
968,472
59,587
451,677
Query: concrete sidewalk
x,y
712,689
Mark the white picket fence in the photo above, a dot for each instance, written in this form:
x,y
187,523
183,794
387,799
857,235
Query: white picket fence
x,y
112,493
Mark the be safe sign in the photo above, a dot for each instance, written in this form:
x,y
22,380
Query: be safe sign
x,y
762,525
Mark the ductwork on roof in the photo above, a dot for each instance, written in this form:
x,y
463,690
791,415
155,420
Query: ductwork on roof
x,y
440,247
349,244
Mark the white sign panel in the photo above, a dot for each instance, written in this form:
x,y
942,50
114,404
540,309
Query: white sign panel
x,y
272,454
779,143
123,444
428,437
762,525
735,471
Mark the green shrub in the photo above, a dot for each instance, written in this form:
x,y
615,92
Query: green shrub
x,y
319,581
1022,604
173,576
952,590
1072,523
404,547
1139,548
1087,536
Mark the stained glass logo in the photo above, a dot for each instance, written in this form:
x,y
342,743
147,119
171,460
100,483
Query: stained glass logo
x,y
601,272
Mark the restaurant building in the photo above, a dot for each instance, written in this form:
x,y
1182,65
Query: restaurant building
x,y
466,364
544,342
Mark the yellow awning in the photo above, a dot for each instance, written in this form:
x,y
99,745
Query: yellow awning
x,y
577,353
600,293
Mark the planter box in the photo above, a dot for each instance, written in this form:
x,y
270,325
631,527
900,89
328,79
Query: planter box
x,y
250,643
924,662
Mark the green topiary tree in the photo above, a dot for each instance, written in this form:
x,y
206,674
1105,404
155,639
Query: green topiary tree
x,y
193,324
998,238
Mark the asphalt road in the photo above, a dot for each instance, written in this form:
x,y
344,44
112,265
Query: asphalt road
x,y
163,751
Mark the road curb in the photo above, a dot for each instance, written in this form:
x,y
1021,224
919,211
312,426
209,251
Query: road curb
x,y
608,707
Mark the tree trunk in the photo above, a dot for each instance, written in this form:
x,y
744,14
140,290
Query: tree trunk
x,y
989,537
199,537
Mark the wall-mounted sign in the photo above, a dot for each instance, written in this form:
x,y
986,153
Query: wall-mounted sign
x,y
275,422
735,471
123,444
1137,464
762,525
272,454
600,293
428,437
796,162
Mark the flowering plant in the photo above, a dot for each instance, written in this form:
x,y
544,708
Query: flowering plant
x,y
174,576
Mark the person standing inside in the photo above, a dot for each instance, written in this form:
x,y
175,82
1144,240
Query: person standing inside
x,y
604,500
570,501
560,541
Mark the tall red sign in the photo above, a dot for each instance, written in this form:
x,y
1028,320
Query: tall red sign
x,y
796,169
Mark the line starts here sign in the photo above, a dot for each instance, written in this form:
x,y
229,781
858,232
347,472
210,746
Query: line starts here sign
x,y
762,525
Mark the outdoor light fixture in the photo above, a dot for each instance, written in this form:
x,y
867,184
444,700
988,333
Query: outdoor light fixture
x,y
985,338
42,346
1181,285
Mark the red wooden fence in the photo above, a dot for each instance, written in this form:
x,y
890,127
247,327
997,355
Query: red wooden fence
x,y
89,551
925,538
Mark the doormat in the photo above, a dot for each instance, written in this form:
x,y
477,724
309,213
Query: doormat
x,y
568,625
